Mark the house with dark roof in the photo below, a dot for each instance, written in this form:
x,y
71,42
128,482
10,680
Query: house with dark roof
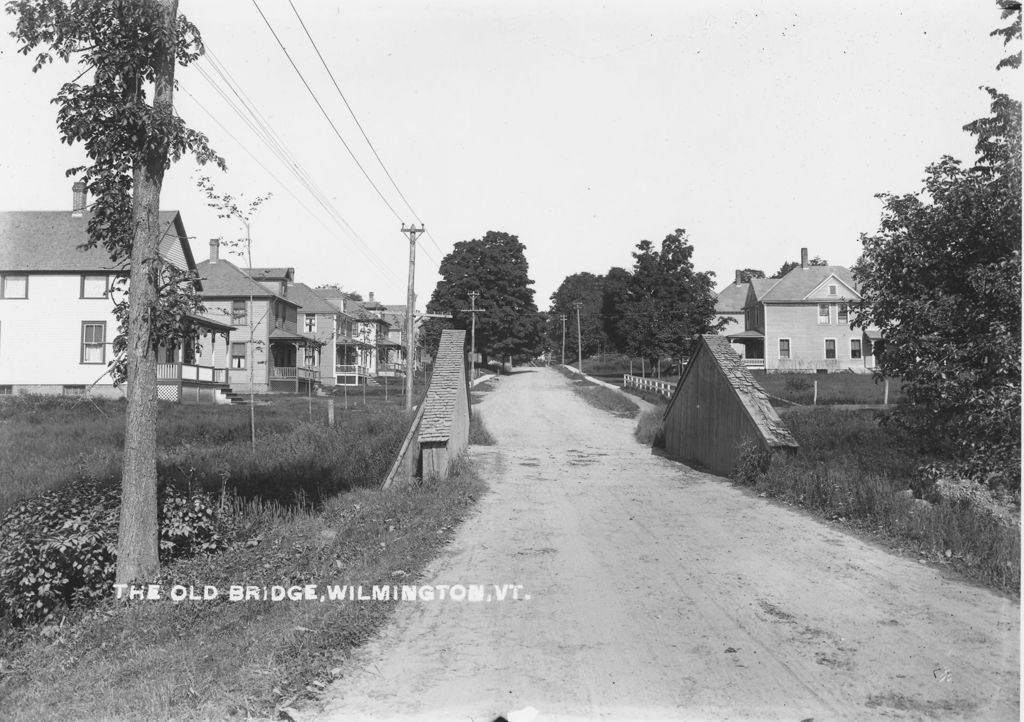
x,y
802,322
322,318
372,329
269,352
57,323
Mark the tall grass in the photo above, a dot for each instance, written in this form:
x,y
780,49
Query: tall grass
x,y
479,435
850,468
650,427
45,442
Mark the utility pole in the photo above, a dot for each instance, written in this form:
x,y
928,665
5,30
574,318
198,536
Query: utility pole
x,y
562,316
410,299
579,334
473,296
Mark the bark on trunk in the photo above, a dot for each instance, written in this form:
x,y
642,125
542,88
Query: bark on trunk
x,y
138,534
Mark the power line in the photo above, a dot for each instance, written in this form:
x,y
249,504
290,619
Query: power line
x,y
324,112
360,125
251,116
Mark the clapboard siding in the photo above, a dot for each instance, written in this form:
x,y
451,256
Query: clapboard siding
x,y
799,323
41,336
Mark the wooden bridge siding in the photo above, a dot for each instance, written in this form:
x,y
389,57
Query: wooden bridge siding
x,y
707,423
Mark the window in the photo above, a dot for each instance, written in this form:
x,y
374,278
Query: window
x,y
854,348
94,287
310,324
830,348
14,286
844,314
238,355
94,337
310,357
784,348
824,314
73,390
238,314
869,348
833,290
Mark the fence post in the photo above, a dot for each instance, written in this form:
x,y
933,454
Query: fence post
x,y
885,399
330,412
815,392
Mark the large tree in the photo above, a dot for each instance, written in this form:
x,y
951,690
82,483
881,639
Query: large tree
x,y
495,267
588,290
942,281
123,114
667,301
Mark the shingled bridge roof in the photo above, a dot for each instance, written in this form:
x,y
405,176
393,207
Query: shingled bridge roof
x,y
445,385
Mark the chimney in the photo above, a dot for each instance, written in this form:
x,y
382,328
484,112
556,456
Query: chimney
x,y
78,198
371,296
214,250
803,258
739,276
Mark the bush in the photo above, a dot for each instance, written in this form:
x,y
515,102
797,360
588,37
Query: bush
x,y
650,429
60,548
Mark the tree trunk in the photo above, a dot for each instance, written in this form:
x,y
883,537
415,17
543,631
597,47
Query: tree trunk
x,y
138,534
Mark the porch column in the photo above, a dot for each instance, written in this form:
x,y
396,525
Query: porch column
x,y
296,367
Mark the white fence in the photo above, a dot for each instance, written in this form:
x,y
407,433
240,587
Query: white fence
x,y
665,388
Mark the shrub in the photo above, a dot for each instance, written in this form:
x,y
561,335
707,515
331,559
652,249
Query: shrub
x,y
60,548
650,429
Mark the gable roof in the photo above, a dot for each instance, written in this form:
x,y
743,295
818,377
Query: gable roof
x,y
309,300
732,298
358,310
799,282
271,274
224,279
48,241
445,384
749,393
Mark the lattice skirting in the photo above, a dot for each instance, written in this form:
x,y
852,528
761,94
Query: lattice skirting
x,y
167,392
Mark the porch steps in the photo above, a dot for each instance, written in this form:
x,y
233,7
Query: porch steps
x,y
232,396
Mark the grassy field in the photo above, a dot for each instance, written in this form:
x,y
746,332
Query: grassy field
x,y
601,397
47,441
197,660
832,388
852,470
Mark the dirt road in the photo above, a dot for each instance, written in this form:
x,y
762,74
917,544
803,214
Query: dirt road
x,y
657,592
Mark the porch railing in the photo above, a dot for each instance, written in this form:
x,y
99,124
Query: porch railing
x,y
390,369
754,363
191,373
351,370
292,372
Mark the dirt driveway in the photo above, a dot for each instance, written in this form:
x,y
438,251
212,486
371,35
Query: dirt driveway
x,y
657,592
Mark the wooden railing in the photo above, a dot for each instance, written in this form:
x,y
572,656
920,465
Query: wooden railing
x,y
351,370
191,374
389,369
754,363
665,388
293,372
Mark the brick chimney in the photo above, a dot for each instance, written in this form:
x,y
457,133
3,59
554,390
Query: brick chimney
x,y
371,296
803,258
739,277
78,198
214,250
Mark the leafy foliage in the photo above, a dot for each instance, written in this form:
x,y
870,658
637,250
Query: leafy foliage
x,y
59,549
496,267
587,289
942,281
667,302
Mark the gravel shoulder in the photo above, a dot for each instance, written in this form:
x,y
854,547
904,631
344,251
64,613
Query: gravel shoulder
x,y
659,592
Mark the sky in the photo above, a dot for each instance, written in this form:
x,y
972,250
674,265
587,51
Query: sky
x,y
580,127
